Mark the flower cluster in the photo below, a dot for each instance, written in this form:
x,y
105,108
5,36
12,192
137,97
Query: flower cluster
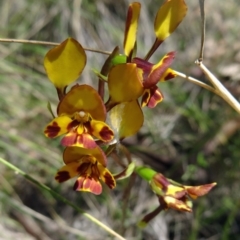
x,y
89,125
81,116
170,194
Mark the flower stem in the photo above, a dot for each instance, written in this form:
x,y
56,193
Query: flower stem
x,y
59,197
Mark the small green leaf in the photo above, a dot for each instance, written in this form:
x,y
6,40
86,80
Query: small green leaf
x,y
145,173
49,107
126,172
101,76
119,59
156,189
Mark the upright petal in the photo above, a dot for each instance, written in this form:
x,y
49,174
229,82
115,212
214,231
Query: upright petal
x,y
65,63
126,119
131,28
72,154
168,17
124,84
83,98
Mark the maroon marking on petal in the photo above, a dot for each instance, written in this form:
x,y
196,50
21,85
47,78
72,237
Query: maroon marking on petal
x,y
78,184
52,130
62,176
158,178
106,134
170,76
87,128
155,97
109,180
162,202
145,98
180,194
83,168
157,73
72,125
143,64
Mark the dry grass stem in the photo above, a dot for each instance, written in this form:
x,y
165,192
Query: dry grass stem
x,y
221,90
11,40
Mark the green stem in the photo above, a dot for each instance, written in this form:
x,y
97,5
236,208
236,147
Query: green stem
x,y
59,197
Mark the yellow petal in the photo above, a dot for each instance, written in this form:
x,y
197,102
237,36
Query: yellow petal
x,y
124,84
177,204
58,126
106,176
175,191
151,97
83,98
68,171
101,131
126,119
169,74
131,27
72,154
169,16
65,63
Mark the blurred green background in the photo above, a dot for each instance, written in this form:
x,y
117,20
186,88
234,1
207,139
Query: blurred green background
x,y
192,136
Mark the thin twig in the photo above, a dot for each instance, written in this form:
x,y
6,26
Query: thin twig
x,y
222,91
197,82
59,197
11,40
201,4
218,87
